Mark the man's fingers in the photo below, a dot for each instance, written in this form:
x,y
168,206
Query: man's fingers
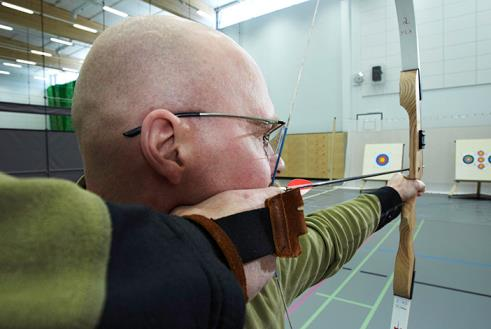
x,y
420,187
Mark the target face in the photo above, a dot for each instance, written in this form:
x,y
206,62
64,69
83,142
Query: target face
x,y
382,160
473,159
379,158
468,159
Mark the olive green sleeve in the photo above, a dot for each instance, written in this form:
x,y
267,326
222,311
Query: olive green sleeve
x,y
54,249
334,235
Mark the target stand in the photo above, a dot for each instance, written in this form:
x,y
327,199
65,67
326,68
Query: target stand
x,y
472,164
477,195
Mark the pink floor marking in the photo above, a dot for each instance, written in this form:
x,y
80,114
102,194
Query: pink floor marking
x,y
300,301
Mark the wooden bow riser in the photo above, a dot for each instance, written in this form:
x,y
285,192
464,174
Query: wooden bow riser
x,y
405,260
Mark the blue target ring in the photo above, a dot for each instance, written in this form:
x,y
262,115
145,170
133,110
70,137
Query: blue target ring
x,y
382,159
468,159
489,159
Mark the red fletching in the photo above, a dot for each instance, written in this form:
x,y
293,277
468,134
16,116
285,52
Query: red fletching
x,y
298,182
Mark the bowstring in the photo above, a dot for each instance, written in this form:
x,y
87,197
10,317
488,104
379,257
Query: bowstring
x,y
295,90
290,114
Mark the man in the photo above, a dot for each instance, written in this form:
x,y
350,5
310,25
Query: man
x,y
169,113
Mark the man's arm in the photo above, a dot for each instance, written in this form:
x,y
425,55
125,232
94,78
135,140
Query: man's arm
x,y
78,261
336,233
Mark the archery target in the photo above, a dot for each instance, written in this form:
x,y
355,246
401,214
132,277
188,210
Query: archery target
x,y
380,158
473,159
468,159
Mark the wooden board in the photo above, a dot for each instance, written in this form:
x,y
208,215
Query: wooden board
x,y
308,155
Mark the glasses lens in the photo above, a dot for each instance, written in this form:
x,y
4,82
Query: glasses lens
x,y
275,139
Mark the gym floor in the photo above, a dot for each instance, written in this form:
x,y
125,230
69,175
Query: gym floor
x,y
453,270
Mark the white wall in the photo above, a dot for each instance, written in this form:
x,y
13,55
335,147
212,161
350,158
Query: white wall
x,y
21,88
351,36
455,80
277,43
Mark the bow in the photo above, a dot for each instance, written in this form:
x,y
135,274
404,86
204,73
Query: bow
x,y
410,98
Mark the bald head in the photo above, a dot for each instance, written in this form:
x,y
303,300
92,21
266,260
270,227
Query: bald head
x,y
149,63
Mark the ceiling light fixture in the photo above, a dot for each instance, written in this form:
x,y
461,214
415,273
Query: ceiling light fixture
x,y
114,11
5,72
37,77
63,42
5,27
245,10
85,28
23,61
42,53
12,65
204,14
15,7
69,70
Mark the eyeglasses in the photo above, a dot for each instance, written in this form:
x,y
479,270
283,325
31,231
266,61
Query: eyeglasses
x,y
272,138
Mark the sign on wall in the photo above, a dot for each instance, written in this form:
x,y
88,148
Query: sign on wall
x,y
382,157
473,160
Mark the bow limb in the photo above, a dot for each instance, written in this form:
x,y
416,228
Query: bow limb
x,y
410,98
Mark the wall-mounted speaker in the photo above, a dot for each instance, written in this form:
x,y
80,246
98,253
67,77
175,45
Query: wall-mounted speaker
x,y
377,73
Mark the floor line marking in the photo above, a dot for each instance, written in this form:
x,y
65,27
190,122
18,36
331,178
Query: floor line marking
x,y
442,259
453,289
347,301
376,305
350,276
429,284
321,193
298,303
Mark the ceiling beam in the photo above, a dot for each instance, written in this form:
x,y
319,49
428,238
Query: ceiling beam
x,y
57,21
13,49
186,9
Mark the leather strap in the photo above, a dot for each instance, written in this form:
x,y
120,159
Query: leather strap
x,y
288,222
227,247
267,231
253,234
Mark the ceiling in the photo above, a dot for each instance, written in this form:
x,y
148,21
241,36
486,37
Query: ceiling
x,y
55,19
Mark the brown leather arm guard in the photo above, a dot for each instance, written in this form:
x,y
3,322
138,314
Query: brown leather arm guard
x,y
250,235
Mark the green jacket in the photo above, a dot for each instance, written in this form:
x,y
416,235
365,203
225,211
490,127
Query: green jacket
x,y
333,237
70,260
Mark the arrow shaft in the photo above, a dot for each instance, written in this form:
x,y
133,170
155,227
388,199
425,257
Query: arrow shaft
x,y
331,182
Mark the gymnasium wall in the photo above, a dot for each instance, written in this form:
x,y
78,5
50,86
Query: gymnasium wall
x,y
352,36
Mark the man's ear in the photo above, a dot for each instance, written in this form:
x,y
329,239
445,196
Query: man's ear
x,y
159,146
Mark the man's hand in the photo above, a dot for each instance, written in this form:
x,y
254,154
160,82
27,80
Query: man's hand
x,y
407,188
229,203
